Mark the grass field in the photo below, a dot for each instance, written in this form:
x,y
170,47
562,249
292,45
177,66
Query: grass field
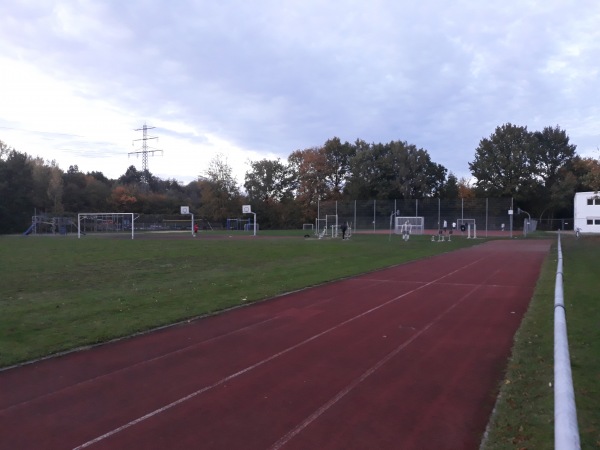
x,y
60,293
524,417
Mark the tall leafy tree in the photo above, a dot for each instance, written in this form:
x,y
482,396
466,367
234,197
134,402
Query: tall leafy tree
x,y
450,188
270,188
122,199
577,175
309,168
55,190
45,198
268,181
131,176
396,170
220,194
220,173
97,192
364,171
505,164
74,198
16,186
553,151
465,190
337,164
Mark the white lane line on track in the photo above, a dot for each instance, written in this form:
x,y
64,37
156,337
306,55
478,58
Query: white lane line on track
x,y
264,361
146,361
315,415
319,301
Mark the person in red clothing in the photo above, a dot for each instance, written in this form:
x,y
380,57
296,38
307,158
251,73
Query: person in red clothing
x,y
195,229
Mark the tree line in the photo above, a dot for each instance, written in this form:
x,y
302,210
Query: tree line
x,y
539,169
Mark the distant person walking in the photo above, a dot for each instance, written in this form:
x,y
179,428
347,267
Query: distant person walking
x,y
195,229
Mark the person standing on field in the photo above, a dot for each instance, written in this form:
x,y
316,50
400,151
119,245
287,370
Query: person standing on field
x,y
195,229
344,229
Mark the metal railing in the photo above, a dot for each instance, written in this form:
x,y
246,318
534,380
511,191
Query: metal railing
x,y
566,430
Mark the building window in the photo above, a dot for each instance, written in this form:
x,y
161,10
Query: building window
x,y
597,222
590,222
593,201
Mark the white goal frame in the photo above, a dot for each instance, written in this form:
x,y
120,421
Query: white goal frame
x,y
415,224
466,223
106,219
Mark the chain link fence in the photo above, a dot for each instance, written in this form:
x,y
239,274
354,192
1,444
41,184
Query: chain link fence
x,y
489,214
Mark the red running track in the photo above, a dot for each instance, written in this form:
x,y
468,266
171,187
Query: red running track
x,y
404,358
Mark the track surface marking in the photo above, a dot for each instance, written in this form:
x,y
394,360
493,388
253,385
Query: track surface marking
x,y
406,357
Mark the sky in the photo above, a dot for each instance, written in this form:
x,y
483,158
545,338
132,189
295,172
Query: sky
x,y
248,80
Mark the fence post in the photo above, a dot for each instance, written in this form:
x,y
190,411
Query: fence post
x,y
486,216
374,213
439,214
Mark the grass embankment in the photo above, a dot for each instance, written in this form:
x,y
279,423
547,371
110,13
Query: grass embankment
x,y
58,293
524,417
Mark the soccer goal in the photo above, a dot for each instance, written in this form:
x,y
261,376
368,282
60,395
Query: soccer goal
x,y
467,225
412,224
105,223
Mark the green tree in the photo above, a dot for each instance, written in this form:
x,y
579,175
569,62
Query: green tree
x,y
16,186
269,186
450,188
74,198
220,194
309,169
268,181
553,151
44,199
55,190
337,164
505,164
554,155
97,192
131,176
396,170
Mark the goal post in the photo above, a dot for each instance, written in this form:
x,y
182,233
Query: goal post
x,y
463,224
412,224
105,223
469,226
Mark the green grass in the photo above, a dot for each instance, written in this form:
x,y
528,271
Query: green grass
x,y
524,416
60,293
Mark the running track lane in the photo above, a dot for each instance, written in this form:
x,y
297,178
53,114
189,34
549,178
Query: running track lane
x,y
408,357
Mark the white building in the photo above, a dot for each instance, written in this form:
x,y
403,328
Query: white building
x,y
587,212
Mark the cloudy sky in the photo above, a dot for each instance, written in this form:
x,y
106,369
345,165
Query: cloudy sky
x,y
259,79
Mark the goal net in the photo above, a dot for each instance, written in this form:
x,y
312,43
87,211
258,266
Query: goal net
x,y
412,225
464,224
88,223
